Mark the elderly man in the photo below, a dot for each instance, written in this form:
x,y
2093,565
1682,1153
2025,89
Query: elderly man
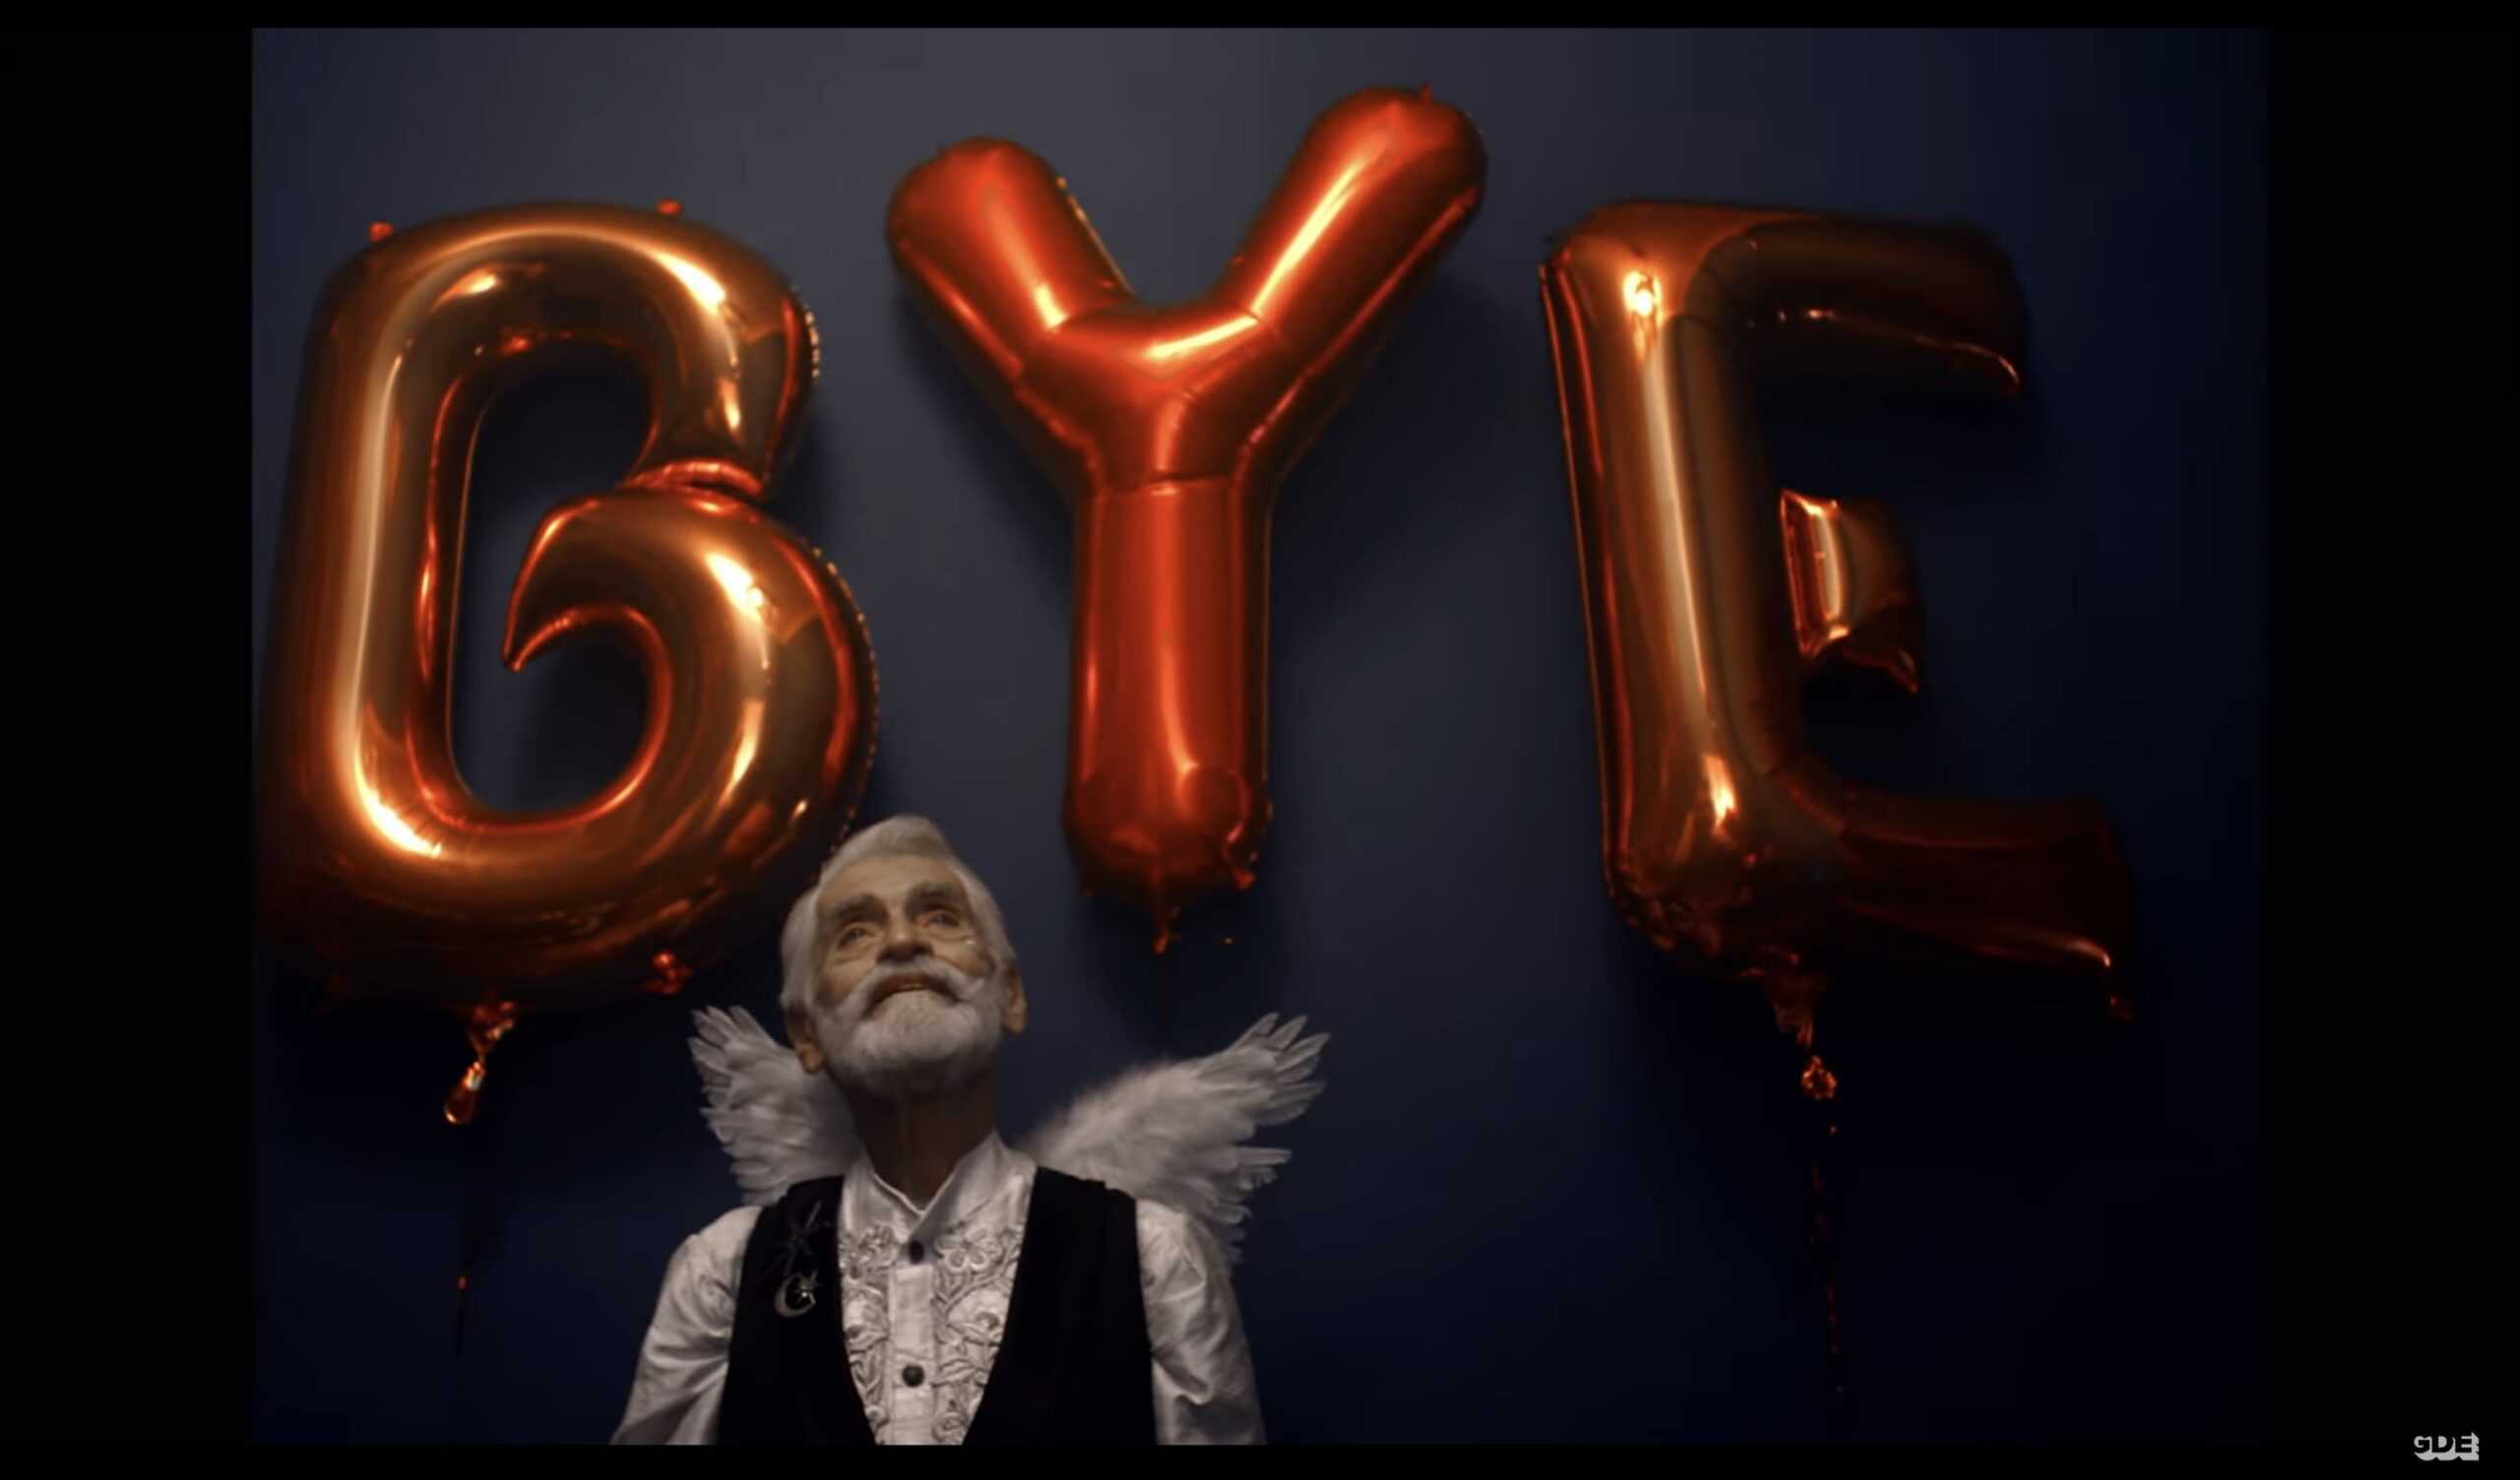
x,y
944,1287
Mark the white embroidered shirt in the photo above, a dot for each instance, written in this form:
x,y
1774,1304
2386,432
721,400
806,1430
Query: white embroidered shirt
x,y
923,1300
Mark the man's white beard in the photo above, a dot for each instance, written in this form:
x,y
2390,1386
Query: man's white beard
x,y
919,1043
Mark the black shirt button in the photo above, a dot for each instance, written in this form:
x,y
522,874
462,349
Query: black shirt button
x,y
912,1375
916,1252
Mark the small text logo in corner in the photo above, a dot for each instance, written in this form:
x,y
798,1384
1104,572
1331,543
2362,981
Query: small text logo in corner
x,y
2445,1447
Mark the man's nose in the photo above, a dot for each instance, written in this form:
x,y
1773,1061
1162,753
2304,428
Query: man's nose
x,y
901,943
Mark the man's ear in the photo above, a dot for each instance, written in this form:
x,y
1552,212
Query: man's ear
x,y
801,1034
1018,1013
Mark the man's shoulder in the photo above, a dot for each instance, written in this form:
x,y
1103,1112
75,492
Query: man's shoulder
x,y
722,1241
1170,1240
1158,1224
1157,1221
1070,1195
1163,1221
733,1223
737,1226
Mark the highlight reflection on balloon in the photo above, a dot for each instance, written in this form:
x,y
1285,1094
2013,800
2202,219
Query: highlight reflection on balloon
x,y
379,867
1709,596
1170,429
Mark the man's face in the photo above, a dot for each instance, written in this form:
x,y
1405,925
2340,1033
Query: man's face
x,y
908,997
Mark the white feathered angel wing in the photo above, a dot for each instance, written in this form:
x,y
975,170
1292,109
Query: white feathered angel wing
x,y
1173,1133
779,1125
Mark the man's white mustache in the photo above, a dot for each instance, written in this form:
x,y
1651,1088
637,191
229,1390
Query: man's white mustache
x,y
899,976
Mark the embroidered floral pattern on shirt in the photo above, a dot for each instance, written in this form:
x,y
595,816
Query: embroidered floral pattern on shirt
x,y
974,1280
973,1274
867,1257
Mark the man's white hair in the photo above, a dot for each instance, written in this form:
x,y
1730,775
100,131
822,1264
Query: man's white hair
x,y
800,942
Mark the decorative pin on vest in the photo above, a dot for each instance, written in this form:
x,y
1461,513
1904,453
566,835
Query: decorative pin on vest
x,y
797,1287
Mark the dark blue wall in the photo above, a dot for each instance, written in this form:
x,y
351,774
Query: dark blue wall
x,y
1554,1191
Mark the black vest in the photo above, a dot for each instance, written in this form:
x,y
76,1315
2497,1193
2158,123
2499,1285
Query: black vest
x,y
1075,1367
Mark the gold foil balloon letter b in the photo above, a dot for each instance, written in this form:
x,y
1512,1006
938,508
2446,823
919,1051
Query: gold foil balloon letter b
x,y
378,867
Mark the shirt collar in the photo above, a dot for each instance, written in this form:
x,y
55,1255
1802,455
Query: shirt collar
x,y
989,1173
